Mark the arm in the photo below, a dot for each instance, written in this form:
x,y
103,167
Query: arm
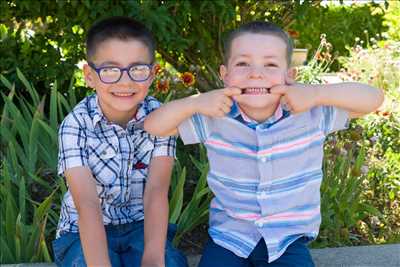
x,y
356,98
165,120
156,211
91,227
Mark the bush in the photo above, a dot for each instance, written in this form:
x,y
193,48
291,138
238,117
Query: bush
x,y
46,37
379,65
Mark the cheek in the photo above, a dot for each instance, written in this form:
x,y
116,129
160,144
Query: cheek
x,y
233,77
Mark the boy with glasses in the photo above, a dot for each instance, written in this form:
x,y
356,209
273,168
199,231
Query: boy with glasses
x,y
118,175
264,142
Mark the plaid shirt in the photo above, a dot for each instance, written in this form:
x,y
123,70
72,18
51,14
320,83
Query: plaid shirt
x,y
265,176
118,158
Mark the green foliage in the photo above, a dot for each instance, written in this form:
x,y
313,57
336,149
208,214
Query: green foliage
x,y
379,65
342,204
24,221
28,180
195,212
340,23
392,21
47,37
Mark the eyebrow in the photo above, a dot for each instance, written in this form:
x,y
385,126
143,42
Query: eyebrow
x,y
246,57
114,63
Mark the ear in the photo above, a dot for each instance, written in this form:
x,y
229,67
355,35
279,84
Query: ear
x,y
291,75
88,74
223,72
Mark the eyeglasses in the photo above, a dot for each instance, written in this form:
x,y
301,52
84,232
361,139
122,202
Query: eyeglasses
x,y
136,72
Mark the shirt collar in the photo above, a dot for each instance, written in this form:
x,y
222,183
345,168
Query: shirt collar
x,y
237,113
98,115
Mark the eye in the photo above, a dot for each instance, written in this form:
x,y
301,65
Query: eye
x,y
242,64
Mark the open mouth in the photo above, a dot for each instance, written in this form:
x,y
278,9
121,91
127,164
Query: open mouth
x,y
256,91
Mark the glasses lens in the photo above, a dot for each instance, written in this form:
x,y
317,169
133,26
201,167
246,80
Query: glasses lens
x,y
139,72
109,74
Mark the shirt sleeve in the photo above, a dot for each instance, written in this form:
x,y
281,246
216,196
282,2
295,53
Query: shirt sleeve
x,y
72,150
195,129
164,146
333,119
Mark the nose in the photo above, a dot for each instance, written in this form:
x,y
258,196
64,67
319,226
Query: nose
x,y
125,77
256,72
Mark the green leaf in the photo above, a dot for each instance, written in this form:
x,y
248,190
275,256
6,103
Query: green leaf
x,y
6,255
176,201
53,106
34,95
21,200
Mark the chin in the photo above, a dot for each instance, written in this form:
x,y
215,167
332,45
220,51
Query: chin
x,y
257,102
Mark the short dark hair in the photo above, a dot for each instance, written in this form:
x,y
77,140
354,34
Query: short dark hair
x,y
121,28
261,27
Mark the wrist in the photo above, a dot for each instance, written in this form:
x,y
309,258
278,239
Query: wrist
x,y
193,103
152,259
318,92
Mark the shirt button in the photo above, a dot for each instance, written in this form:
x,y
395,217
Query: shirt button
x,y
104,152
259,224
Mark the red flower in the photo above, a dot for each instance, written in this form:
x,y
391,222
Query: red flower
x,y
162,86
294,34
188,79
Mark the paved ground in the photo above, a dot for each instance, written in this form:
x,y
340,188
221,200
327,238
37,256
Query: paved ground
x,y
364,256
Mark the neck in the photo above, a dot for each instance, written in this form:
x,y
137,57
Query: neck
x,y
258,114
120,118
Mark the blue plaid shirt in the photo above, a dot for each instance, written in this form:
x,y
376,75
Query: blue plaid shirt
x,y
118,158
265,176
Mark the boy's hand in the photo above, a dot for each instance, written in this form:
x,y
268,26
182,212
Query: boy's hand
x,y
297,97
215,103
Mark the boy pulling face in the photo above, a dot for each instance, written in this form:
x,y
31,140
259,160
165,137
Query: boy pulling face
x,y
264,137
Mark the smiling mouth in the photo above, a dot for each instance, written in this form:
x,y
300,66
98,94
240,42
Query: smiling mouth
x,y
256,91
123,94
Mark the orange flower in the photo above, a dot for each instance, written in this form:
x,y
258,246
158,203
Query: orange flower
x,y
162,86
188,79
294,34
157,69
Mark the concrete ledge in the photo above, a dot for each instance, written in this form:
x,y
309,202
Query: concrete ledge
x,y
362,256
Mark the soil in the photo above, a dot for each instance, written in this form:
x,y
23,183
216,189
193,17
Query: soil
x,y
193,242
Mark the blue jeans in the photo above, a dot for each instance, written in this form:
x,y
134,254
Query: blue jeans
x,y
297,254
125,247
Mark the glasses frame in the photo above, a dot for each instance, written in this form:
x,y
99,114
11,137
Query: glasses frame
x,y
122,70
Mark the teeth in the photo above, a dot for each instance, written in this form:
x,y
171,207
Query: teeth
x,y
256,90
122,94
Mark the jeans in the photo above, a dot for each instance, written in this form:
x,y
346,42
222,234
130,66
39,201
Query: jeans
x,y
297,254
125,247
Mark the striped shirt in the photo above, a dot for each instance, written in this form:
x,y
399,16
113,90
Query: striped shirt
x,y
265,177
117,157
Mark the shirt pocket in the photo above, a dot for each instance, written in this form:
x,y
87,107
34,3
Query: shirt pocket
x,y
143,152
104,162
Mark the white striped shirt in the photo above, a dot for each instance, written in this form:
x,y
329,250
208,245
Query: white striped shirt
x,y
265,177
